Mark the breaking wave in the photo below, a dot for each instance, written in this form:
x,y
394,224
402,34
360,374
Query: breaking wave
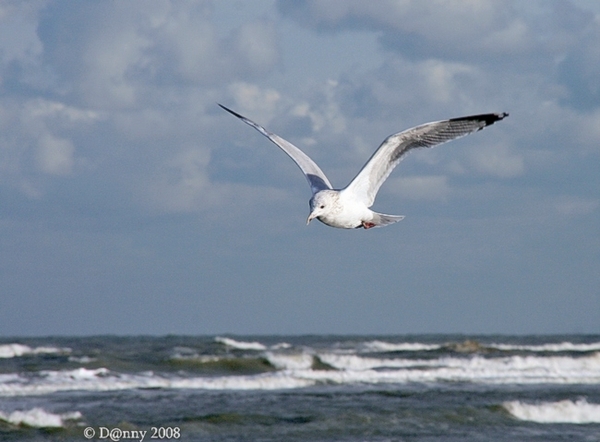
x,y
560,347
18,350
382,347
567,411
240,345
234,364
298,370
39,418
243,345
102,379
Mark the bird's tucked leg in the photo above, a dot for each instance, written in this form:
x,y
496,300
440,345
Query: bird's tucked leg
x,y
367,224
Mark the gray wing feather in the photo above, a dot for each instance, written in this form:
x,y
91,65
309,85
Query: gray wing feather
x,y
393,149
315,176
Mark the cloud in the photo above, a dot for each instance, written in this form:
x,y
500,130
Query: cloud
x,y
39,140
498,161
41,108
421,188
125,57
19,43
587,129
411,16
126,92
578,67
109,122
249,97
255,43
442,28
183,184
55,155
575,205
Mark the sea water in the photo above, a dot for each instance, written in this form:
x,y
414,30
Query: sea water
x,y
302,388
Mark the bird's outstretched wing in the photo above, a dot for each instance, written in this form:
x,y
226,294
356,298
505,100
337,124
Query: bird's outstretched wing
x,y
365,185
315,176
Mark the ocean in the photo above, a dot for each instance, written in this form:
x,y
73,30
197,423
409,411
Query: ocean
x,y
301,388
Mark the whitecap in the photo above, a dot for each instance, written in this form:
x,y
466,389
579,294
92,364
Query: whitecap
x,y
298,370
267,381
103,379
297,361
240,345
17,350
383,347
556,347
477,369
39,418
567,411
82,359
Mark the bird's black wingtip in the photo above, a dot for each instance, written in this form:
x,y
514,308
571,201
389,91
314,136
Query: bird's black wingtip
x,y
230,111
492,118
486,118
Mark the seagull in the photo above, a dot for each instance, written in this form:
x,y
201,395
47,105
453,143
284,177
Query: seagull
x,y
348,208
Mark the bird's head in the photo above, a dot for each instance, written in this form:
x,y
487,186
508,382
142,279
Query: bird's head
x,y
321,204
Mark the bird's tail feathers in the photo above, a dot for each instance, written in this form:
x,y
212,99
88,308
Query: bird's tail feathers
x,y
381,219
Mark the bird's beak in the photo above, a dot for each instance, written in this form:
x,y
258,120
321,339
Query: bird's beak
x,y
310,218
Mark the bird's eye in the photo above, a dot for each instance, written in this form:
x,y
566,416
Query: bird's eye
x,y
322,206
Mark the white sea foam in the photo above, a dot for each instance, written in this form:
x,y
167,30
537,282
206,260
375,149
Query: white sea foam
x,y
240,345
267,381
18,350
297,361
196,358
558,347
103,379
297,370
360,363
39,418
567,411
381,346
82,359
513,369
190,354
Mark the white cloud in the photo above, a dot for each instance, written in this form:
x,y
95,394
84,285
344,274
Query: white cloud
x,y
182,184
131,91
41,108
55,155
151,75
498,161
426,187
256,44
161,45
18,37
515,37
250,97
110,60
587,128
575,205
144,74
442,80
322,109
453,26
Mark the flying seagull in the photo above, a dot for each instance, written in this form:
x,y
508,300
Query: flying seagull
x,y
348,208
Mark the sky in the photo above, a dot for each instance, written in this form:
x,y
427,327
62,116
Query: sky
x,y
130,203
